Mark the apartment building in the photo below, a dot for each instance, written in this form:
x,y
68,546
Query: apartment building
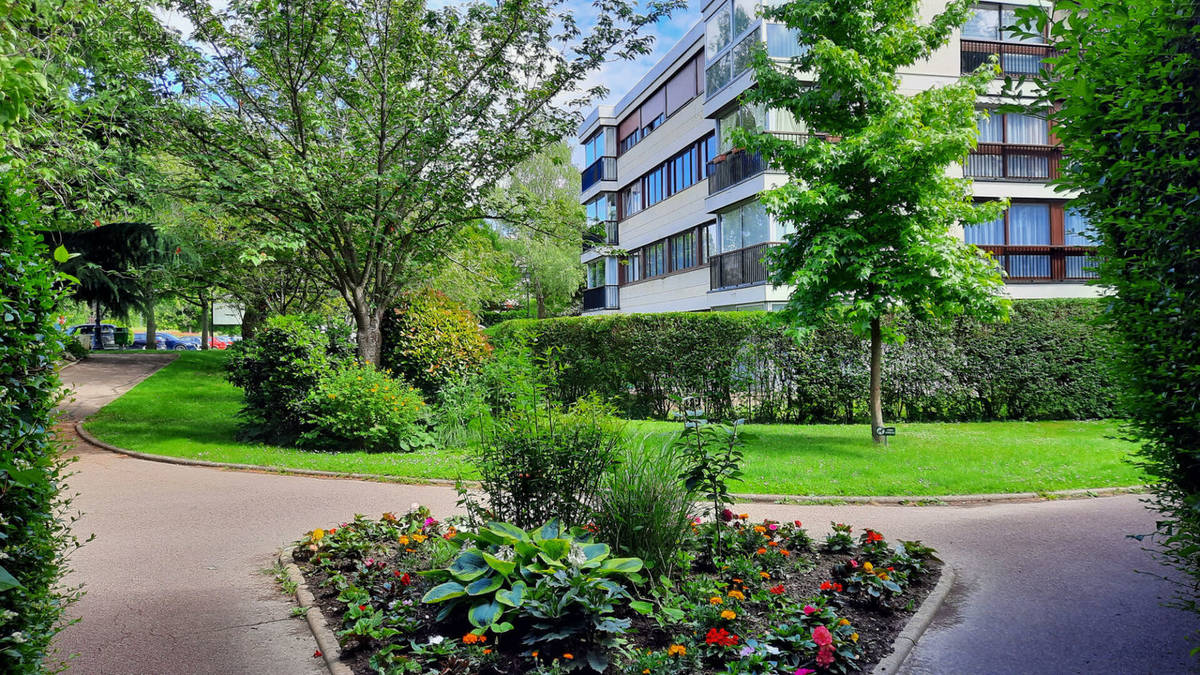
x,y
677,221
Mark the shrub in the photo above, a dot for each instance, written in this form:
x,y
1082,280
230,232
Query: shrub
x,y
34,517
541,462
1048,362
277,369
430,340
357,407
641,510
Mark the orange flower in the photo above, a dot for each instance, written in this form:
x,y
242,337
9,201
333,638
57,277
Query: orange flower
x,y
772,543
470,639
737,595
568,656
419,538
534,654
743,516
403,540
716,600
487,651
729,615
760,529
676,650
785,551
761,551
765,575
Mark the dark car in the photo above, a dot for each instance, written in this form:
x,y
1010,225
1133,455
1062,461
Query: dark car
x,y
107,334
162,340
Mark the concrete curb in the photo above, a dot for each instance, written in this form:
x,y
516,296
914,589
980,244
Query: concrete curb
x,y
327,642
903,645
798,500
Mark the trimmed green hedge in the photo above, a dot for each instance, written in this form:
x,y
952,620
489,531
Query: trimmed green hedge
x,y
1048,362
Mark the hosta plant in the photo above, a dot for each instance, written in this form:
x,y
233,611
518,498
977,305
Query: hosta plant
x,y
500,563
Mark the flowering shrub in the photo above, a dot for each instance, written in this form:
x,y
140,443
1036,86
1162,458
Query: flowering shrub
x,y
356,407
430,340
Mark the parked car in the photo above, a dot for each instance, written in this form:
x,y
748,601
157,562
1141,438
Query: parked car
x,y
107,334
163,340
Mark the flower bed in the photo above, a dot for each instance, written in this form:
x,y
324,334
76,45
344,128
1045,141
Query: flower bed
x,y
409,594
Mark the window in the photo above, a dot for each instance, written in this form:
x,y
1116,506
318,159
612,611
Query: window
x,y
595,273
629,131
633,267
744,13
990,233
718,32
784,42
708,242
683,170
1077,231
653,111
1014,128
1029,225
995,23
991,127
717,75
594,148
683,250
655,189
631,199
749,117
656,259
681,88
784,122
743,226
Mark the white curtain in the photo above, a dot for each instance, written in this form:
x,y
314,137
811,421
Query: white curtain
x,y
991,128
990,233
1026,129
756,226
1077,231
1029,225
784,121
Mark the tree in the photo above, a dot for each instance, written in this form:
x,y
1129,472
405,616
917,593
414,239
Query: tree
x,y
373,130
545,244
872,204
1124,91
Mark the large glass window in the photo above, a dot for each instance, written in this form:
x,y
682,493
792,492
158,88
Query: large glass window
x,y
656,259
603,207
744,13
1029,225
718,32
784,42
744,225
995,22
749,117
633,267
1077,231
991,127
595,273
683,170
655,188
717,75
1026,129
990,233
631,202
708,242
742,53
783,121
683,250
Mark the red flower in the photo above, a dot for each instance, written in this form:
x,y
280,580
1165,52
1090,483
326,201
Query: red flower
x,y
776,590
825,656
178,250
826,586
727,515
362,608
317,654
95,223
822,636
872,535
405,579
797,523
720,636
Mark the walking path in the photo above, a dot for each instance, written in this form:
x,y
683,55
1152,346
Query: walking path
x,y
176,581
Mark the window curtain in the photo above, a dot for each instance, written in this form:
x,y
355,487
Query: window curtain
x,y
629,125
784,122
681,88
990,233
783,42
1077,231
1029,225
730,224
991,128
1027,130
654,107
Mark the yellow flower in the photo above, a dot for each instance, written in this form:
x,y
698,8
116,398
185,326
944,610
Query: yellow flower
x,y
868,566
729,615
737,595
676,650
646,671
716,600
765,575
419,538
318,534
743,516
760,529
883,575
854,636
403,540
843,622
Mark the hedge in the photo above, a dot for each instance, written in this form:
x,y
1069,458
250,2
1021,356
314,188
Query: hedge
x,y
1048,362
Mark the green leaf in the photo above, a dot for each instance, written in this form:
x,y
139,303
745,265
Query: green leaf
x,y
484,614
443,592
61,255
596,552
509,530
513,597
641,607
8,581
468,566
484,585
556,549
504,567
620,566
548,531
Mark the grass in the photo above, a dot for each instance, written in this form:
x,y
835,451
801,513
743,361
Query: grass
x,y
187,409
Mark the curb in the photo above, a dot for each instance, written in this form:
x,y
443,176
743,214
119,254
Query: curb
x,y
327,642
904,643
798,500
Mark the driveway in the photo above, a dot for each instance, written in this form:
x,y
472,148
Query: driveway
x,y
176,576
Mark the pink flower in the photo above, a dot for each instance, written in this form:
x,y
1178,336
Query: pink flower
x,y
429,522
809,609
804,671
822,636
825,656
727,515
772,527
853,563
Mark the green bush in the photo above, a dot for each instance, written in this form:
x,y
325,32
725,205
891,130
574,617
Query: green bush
x,y
34,517
278,368
356,407
1048,362
430,340
643,509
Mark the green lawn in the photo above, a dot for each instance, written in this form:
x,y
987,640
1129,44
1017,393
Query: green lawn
x,y
187,410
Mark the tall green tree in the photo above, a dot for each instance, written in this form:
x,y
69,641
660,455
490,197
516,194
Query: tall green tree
x,y
874,207
374,130
546,238
1124,92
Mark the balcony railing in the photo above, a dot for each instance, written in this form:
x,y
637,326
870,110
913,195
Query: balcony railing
x,y
1045,263
601,297
738,268
1008,162
737,165
1015,58
593,238
604,168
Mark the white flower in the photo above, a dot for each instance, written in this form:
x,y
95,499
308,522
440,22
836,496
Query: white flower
x,y
17,637
576,556
436,640
506,553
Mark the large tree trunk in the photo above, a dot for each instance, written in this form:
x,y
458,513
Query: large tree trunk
x,y
205,321
876,381
252,318
151,318
369,333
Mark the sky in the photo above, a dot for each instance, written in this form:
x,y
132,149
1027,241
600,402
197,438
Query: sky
x,y
617,76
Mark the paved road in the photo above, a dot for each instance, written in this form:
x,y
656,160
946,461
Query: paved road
x,y
176,585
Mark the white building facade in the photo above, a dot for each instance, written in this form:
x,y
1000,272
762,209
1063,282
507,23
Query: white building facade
x,y
677,221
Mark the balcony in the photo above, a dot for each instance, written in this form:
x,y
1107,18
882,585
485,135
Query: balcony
x,y
1015,58
1045,263
732,168
601,297
594,237
604,168
742,267
1016,163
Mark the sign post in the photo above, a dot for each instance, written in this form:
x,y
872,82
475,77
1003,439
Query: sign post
x,y
885,432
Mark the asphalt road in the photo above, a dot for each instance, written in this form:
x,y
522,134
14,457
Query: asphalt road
x,y
176,584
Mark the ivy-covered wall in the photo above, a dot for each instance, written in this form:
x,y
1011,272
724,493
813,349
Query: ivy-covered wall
x,y
1047,362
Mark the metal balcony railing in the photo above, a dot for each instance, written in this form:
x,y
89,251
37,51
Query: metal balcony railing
x,y
733,168
601,297
1009,162
1015,58
604,168
738,268
1045,263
